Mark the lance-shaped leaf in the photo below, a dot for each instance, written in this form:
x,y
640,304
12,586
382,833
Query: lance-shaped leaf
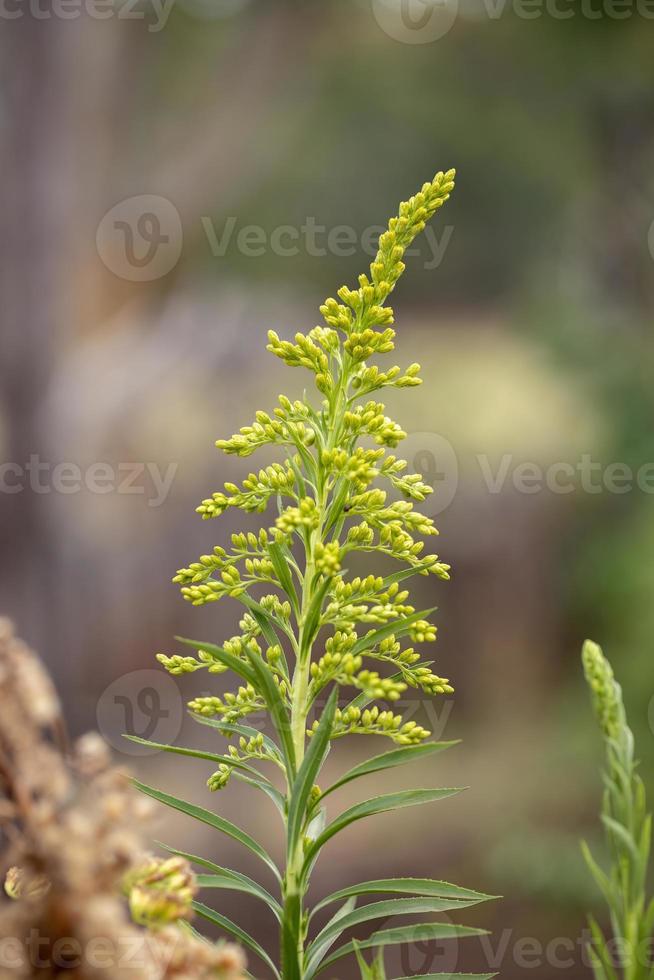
x,y
231,728
314,612
255,778
266,624
322,947
240,934
382,910
425,887
600,958
424,932
388,760
228,879
271,791
282,572
452,976
403,574
212,820
308,772
378,804
398,627
265,683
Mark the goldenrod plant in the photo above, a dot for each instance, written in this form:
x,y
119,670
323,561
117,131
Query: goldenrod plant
x,y
313,639
628,831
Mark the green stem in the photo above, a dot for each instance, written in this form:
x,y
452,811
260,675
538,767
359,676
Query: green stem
x,y
293,924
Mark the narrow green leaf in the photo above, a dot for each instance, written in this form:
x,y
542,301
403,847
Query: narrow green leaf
x,y
229,882
271,791
425,887
382,910
388,760
299,478
399,627
400,576
195,754
255,778
452,976
314,612
212,820
247,731
601,879
599,955
233,880
265,622
424,932
323,947
283,573
308,772
378,804
337,504
278,710
240,934
622,835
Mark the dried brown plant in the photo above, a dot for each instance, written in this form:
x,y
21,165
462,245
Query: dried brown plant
x,y
71,827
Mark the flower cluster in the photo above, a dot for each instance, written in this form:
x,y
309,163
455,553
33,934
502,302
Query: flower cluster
x,y
160,890
372,721
607,697
328,500
314,632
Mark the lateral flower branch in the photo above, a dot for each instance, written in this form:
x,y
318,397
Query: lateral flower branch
x,y
311,634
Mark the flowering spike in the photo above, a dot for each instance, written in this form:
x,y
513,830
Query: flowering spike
x,y
310,629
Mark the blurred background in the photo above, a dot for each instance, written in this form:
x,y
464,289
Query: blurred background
x,y
179,178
